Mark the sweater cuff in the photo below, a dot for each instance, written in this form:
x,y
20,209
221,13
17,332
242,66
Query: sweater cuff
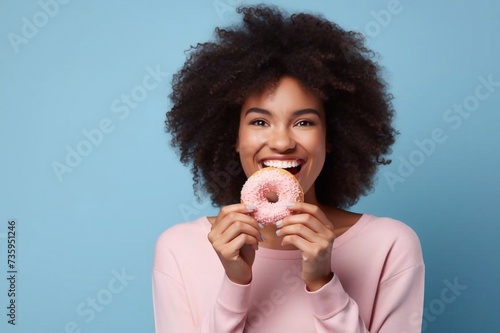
x,y
234,297
329,299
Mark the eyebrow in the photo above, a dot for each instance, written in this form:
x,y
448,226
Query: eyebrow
x,y
297,113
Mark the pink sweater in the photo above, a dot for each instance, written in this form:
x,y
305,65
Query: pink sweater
x,y
378,285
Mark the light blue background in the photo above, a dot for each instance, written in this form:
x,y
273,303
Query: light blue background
x,y
104,216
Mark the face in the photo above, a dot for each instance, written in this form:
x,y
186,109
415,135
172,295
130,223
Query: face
x,y
285,128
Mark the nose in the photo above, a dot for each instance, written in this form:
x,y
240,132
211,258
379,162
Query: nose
x,y
281,140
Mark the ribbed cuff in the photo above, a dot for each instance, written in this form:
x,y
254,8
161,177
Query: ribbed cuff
x,y
329,299
234,297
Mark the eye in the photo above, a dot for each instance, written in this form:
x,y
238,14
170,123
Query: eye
x,y
258,122
303,123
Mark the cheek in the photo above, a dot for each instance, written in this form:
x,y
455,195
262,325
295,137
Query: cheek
x,y
249,143
317,143
317,148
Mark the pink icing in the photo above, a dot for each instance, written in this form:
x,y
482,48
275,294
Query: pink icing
x,y
267,180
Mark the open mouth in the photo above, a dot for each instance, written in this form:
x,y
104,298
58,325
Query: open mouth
x,y
293,170
291,166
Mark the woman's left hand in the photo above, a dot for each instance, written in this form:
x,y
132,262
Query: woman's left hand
x,y
309,230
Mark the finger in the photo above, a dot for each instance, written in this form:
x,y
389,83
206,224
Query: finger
x,y
304,219
236,208
231,250
229,218
301,230
238,228
303,207
297,241
324,237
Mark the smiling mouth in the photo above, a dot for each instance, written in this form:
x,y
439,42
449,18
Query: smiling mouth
x,y
293,167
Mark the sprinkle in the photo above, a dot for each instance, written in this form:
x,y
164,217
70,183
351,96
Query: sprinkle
x,y
267,180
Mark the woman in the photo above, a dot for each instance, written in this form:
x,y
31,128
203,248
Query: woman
x,y
300,93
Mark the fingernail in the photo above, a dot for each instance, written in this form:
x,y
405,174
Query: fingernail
x,y
278,232
251,207
279,223
261,225
290,204
261,237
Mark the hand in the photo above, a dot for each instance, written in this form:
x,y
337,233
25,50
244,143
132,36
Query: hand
x,y
309,230
235,236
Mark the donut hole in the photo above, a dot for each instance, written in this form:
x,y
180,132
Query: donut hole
x,y
272,197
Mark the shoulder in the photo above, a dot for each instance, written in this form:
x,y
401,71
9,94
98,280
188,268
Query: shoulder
x,y
393,239
391,229
184,235
181,244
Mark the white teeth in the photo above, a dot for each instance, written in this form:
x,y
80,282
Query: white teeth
x,y
281,164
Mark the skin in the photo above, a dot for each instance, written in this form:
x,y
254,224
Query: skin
x,y
285,122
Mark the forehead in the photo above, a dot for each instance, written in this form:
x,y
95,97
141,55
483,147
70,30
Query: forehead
x,y
287,94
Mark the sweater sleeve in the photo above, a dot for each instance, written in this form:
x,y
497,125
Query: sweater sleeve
x,y
397,309
172,310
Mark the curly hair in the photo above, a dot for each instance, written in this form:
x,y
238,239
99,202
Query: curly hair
x,y
334,64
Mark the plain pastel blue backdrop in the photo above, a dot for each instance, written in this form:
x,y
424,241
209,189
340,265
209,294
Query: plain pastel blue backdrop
x,y
87,172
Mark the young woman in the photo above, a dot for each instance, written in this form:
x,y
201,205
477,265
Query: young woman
x,y
294,92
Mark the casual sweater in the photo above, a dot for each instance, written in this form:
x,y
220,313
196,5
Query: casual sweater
x,y
377,287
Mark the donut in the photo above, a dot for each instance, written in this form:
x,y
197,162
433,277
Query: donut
x,y
264,182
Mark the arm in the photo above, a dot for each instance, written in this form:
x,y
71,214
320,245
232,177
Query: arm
x,y
397,309
177,308
397,306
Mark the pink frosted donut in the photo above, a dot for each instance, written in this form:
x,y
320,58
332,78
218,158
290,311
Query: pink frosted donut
x,y
265,181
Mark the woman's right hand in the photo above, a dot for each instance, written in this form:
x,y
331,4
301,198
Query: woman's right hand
x,y
235,236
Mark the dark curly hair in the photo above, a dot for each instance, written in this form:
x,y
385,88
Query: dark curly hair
x,y
209,90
